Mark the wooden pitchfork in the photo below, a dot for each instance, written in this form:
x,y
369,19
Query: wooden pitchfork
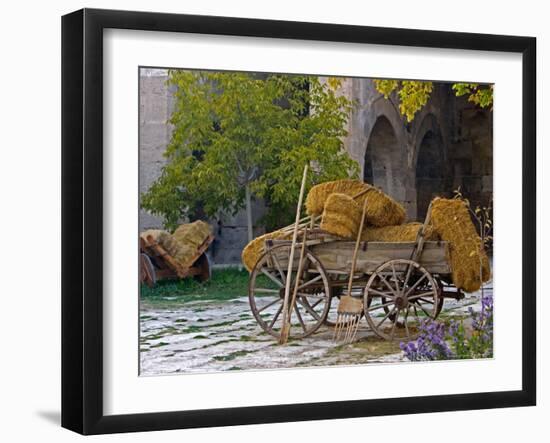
x,y
350,309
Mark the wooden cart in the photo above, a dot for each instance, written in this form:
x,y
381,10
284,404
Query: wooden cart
x,y
400,283
156,264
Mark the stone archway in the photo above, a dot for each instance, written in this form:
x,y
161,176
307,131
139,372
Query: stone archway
x,y
430,172
384,162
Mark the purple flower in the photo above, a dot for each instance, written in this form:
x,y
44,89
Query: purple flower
x,y
430,345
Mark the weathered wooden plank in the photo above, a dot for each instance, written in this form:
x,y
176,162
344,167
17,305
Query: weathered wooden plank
x,y
337,256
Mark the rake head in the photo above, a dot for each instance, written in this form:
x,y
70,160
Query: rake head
x,y
350,310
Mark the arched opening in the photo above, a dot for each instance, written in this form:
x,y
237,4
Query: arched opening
x,y
430,172
384,163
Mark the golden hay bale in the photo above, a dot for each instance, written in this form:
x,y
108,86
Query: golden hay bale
x,y
341,216
398,233
382,210
254,249
188,237
317,196
451,220
193,234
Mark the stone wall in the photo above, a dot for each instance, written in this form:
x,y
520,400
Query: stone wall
x,y
155,107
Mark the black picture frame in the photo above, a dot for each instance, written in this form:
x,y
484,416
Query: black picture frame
x,y
82,218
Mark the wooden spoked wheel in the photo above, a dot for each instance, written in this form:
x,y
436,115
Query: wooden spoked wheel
x,y
148,274
266,293
398,296
203,266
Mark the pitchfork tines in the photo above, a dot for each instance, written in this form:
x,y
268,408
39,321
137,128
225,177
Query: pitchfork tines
x,y
350,310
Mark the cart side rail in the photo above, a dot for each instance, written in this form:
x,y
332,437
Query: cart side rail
x,y
337,255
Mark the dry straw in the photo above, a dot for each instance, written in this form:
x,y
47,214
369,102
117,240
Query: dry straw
x,y
399,233
318,195
254,250
382,210
342,216
188,238
469,262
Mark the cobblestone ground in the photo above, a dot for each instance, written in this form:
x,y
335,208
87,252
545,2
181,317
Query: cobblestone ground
x,y
207,336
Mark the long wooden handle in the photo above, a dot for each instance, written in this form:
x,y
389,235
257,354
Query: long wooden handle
x,y
357,243
285,329
296,283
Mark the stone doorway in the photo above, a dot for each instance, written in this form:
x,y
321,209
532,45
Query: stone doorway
x,y
385,164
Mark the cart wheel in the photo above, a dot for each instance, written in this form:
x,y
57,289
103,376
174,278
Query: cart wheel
x,y
147,270
203,264
398,294
267,289
441,301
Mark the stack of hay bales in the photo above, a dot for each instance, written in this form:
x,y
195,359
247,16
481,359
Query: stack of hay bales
x,y
340,202
469,262
183,243
318,195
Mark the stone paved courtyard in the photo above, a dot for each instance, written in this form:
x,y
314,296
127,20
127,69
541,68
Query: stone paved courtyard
x,y
207,336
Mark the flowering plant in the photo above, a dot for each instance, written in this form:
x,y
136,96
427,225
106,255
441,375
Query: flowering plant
x,y
430,345
437,342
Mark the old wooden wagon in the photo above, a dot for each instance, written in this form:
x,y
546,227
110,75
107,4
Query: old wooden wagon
x,y
400,283
157,264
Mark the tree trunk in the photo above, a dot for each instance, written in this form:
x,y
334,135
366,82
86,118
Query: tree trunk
x,y
249,213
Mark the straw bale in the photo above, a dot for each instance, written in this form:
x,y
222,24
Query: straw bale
x,y
399,233
382,210
254,249
469,262
193,234
341,216
317,196
188,237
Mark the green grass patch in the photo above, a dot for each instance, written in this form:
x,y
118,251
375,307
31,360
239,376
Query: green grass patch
x,y
225,284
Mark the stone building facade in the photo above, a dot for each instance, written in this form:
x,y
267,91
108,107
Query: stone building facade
x,y
447,146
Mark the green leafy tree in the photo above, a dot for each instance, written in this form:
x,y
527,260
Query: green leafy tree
x,y
239,135
413,95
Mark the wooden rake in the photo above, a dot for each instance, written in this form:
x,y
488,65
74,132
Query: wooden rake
x,y
350,309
